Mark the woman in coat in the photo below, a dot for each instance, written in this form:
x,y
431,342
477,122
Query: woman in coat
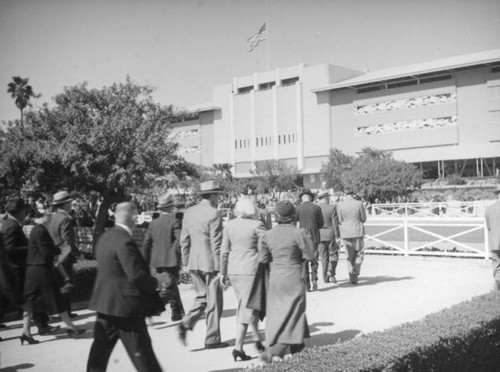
x,y
285,247
41,292
239,262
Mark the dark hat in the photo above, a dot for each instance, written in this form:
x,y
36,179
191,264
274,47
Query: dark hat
x,y
166,201
285,209
61,197
210,187
323,194
15,205
306,192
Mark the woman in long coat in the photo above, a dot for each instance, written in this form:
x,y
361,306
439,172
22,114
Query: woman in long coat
x,y
41,292
239,262
284,248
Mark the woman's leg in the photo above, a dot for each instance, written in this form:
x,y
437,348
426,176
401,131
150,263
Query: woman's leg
x,y
241,331
254,328
67,319
26,323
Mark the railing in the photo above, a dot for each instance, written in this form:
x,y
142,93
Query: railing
x,y
430,209
419,236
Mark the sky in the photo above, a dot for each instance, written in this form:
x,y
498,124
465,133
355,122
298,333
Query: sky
x,y
184,48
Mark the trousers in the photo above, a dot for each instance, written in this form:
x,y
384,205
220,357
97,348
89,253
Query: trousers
x,y
169,290
329,256
355,248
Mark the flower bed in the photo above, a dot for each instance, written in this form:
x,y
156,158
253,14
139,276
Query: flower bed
x,y
464,337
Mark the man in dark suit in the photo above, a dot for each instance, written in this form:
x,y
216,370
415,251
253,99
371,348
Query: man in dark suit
x,y
492,215
161,251
310,218
15,246
352,215
201,238
328,247
122,296
62,230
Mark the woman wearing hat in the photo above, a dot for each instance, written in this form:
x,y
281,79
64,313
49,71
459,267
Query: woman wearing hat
x,y
285,247
41,293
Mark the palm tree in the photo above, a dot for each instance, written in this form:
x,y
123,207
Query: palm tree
x,y
223,169
21,92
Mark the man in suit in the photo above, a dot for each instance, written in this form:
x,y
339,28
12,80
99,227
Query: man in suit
x,y
162,252
310,218
201,238
122,296
62,230
492,215
15,245
328,246
351,213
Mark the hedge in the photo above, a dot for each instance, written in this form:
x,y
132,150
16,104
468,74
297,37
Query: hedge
x,y
464,337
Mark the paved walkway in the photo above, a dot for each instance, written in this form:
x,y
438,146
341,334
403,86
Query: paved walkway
x,y
392,290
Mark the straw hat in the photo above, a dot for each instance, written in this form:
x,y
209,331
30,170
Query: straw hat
x,y
166,201
210,187
61,197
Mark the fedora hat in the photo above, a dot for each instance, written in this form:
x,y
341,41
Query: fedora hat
x,y
306,191
166,201
285,209
323,194
61,197
210,187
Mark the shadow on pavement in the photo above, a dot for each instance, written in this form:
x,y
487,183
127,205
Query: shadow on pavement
x,y
324,339
363,281
17,368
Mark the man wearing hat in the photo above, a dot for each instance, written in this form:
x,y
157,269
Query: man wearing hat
x,y
492,215
328,247
62,230
310,218
200,242
352,215
161,251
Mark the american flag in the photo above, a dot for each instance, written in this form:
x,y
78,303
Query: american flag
x,y
255,40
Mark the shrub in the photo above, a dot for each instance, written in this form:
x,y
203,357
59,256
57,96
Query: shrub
x,y
464,337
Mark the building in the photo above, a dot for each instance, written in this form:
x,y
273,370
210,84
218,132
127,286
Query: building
x,y
442,115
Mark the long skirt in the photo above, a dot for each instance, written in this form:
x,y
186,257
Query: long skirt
x,y
242,284
41,293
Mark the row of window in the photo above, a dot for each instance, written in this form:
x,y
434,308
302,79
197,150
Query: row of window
x,y
266,86
403,82
265,141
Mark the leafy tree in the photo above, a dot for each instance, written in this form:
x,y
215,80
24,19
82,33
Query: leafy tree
x,y
274,176
334,169
21,92
223,170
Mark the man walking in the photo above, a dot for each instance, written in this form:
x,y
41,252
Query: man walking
x,y
328,246
310,218
161,250
62,230
351,213
122,296
201,238
492,215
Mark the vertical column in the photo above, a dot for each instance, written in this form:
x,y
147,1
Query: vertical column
x,y
232,131
253,135
300,126
275,122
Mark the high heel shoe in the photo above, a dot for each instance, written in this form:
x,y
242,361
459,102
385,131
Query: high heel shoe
x,y
29,339
259,346
240,354
75,332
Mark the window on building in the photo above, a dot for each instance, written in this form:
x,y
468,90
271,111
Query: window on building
x,y
312,178
244,90
289,81
495,69
404,83
279,140
372,88
266,86
429,78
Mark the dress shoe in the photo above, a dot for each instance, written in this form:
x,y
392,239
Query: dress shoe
x,y
177,317
259,346
218,345
240,354
75,332
47,330
73,315
333,279
29,339
315,286
3,326
181,332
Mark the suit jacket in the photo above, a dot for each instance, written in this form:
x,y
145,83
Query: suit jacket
x,y
201,238
41,247
492,215
62,231
352,215
123,286
15,244
330,229
239,250
310,218
159,247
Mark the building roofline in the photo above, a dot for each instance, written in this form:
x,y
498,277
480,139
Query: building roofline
x,y
445,65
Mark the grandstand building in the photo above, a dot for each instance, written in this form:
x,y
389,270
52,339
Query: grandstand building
x,y
443,116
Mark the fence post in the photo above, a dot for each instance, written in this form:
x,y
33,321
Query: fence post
x,y
405,231
486,238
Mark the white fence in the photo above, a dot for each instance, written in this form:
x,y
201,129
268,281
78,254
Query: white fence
x,y
432,209
418,236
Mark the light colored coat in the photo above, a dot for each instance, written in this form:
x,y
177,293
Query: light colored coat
x,y
352,215
492,215
330,229
239,250
201,237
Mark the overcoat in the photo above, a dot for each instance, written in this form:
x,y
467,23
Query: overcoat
x,y
62,231
284,248
310,219
159,247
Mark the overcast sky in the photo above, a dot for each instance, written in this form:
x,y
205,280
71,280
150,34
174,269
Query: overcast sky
x,y
185,47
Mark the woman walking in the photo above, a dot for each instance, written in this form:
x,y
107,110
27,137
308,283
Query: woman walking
x,y
41,292
285,247
239,262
